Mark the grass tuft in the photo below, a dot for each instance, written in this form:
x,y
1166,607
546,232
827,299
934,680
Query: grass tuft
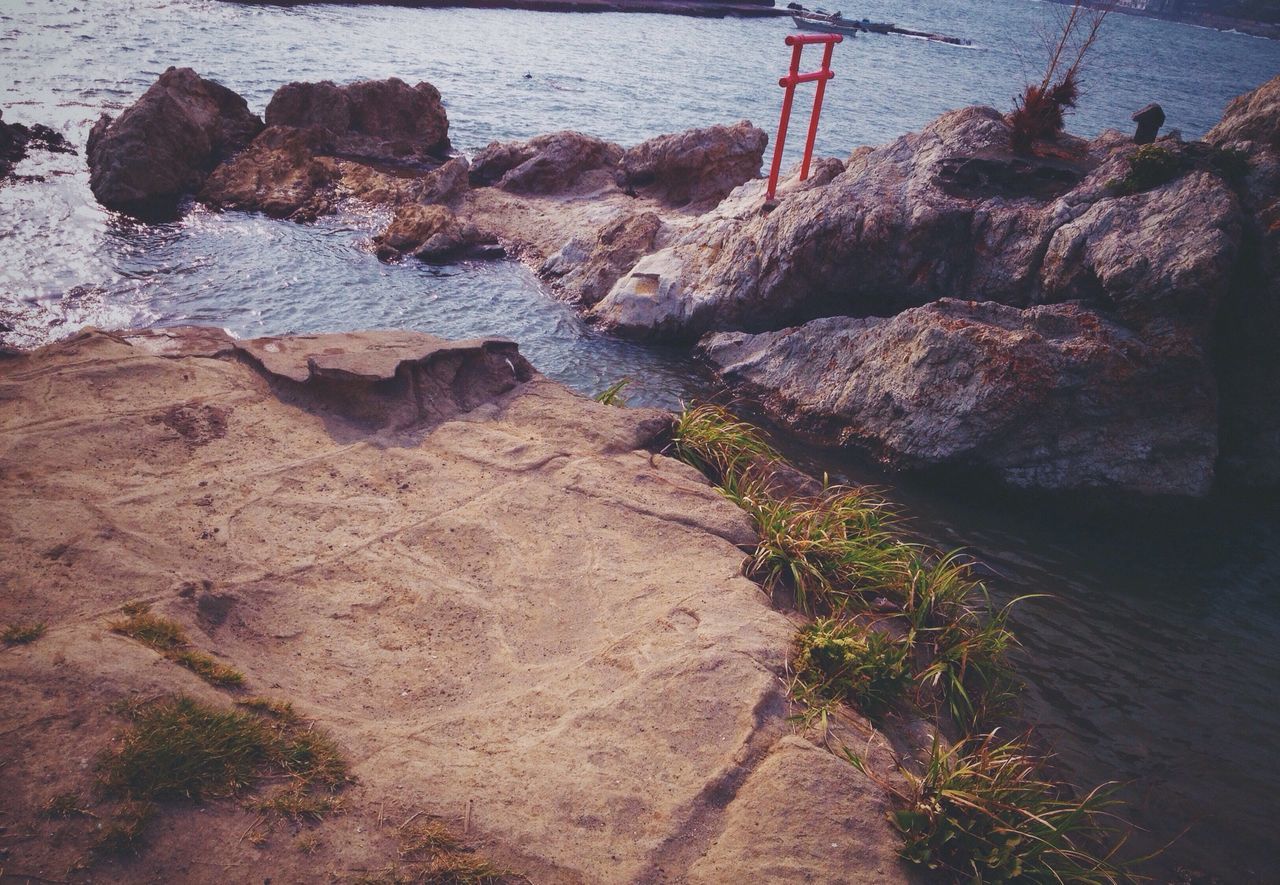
x,y
846,661
1149,167
21,634
123,833
180,748
64,806
170,639
983,811
442,858
612,395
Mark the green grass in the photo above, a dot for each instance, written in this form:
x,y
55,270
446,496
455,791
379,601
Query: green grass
x,y
21,634
1149,167
727,450
984,811
846,661
169,638
612,395
179,748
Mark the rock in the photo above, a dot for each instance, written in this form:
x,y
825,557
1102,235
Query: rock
x,y
433,233
1166,253
16,140
282,174
697,168
546,164
1251,120
489,590
165,145
899,226
1055,397
377,120
582,273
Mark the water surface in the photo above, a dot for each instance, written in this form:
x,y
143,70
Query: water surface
x,y
1156,661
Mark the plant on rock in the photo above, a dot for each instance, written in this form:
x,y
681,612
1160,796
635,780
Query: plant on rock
x,y
843,660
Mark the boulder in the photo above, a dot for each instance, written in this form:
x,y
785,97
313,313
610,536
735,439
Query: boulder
x,y
379,120
1251,120
697,168
433,233
282,174
165,145
1055,397
546,164
16,140
582,272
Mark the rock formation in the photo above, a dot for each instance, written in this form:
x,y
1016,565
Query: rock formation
x,y
546,164
445,560
697,168
1053,397
165,145
17,140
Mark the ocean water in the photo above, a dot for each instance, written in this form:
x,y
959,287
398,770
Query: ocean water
x,y
1157,659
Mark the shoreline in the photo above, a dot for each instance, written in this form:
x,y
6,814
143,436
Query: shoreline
x,y
1222,23
691,8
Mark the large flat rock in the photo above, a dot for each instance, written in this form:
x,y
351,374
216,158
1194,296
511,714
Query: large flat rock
x,y
508,609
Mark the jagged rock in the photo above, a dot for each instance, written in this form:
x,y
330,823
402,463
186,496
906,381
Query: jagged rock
x,y
433,233
490,591
16,140
282,174
695,168
166,144
1052,397
1251,120
543,165
1166,253
895,229
379,120
583,272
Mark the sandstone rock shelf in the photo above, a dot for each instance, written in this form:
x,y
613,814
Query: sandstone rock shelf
x,y
445,559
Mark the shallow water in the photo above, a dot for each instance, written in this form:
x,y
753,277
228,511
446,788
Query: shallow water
x,y
1158,657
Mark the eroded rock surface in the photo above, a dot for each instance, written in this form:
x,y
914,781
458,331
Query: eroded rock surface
x,y
1053,397
166,144
443,558
542,165
697,168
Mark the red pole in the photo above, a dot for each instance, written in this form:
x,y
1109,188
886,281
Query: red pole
x,y
817,109
797,42
789,84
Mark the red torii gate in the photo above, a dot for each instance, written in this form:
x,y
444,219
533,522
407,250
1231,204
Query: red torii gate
x,y
798,42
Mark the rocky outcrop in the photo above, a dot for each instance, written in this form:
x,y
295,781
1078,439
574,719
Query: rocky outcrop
x,y
583,271
17,140
165,145
283,173
443,559
546,164
385,121
433,233
1055,397
697,168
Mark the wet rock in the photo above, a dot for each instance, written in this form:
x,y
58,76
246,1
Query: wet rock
x,y
376,120
433,233
695,168
282,174
583,272
165,145
17,140
1054,397
546,164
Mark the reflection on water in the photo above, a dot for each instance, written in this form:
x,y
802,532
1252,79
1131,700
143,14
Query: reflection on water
x,y
1157,659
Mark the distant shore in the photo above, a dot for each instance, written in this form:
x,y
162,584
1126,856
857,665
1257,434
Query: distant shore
x,y
1270,30
697,8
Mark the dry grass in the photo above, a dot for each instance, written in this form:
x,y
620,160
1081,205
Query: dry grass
x,y
169,638
21,634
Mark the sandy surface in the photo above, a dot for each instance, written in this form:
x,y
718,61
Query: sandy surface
x,y
507,609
